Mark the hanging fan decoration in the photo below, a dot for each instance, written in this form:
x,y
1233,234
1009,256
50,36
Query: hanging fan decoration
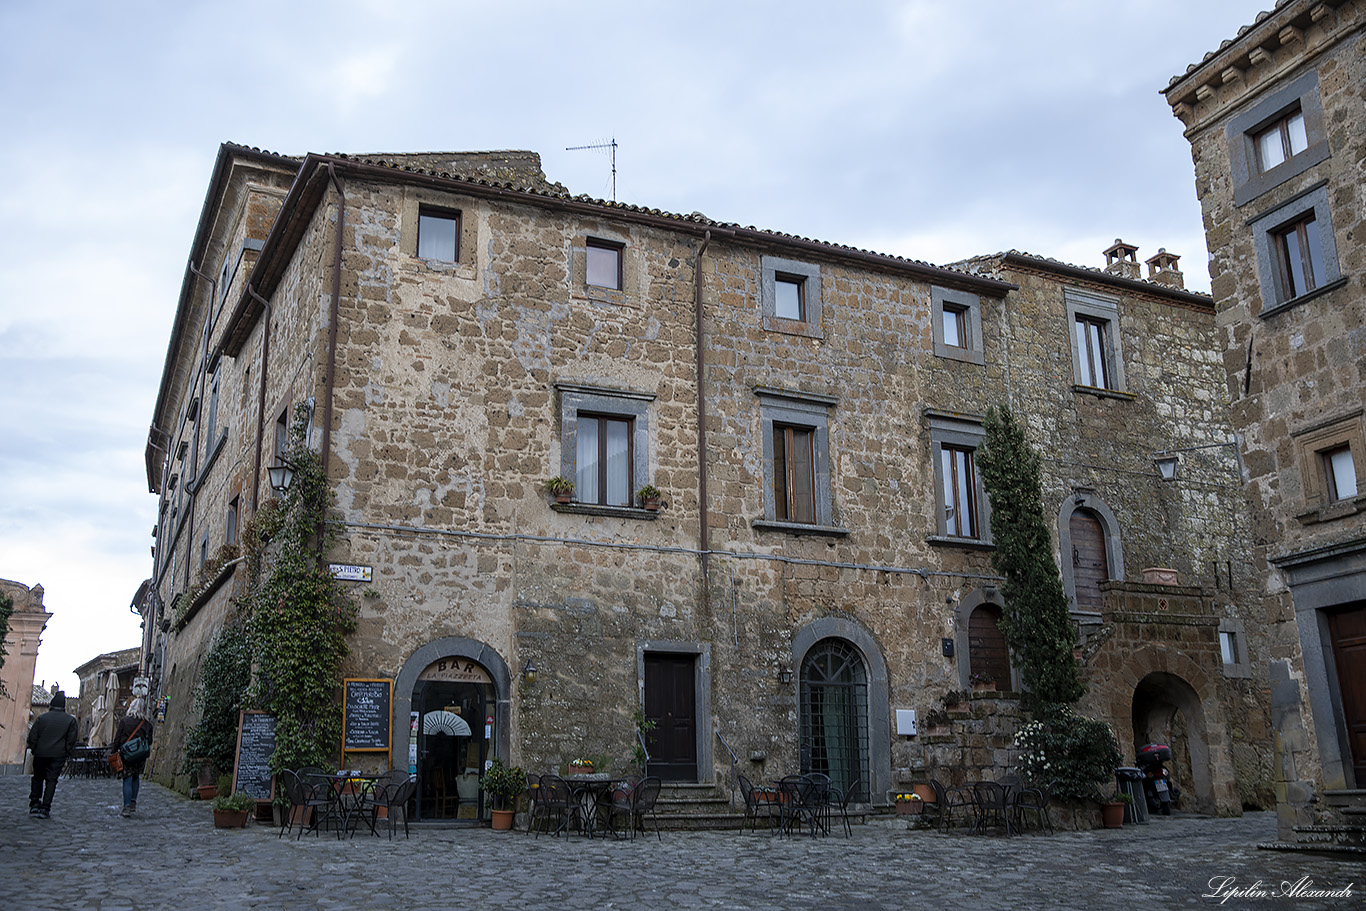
x,y
444,722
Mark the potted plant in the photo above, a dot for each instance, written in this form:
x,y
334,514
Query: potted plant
x,y
936,723
230,811
909,804
581,766
983,683
561,488
1112,810
649,497
504,783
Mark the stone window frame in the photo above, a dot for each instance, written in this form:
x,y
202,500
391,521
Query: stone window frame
x,y
605,401
798,409
1265,226
631,292
1240,667
1310,445
418,201
1104,308
1248,181
959,431
970,305
1087,501
770,267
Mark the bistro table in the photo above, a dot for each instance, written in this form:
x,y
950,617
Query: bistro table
x,y
589,790
349,789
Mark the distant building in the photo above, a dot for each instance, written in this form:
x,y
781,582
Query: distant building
x,y
1278,135
26,626
459,329
106,690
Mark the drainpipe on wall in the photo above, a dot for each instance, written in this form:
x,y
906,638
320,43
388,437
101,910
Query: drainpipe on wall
x,y
261,404
703,539
332,317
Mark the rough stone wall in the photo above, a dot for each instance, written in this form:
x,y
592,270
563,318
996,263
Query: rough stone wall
x,y
449,384
1289,370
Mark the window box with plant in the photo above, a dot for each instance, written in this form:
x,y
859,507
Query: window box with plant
x,y
561,488
648,497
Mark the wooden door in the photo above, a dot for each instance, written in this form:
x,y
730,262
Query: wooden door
x,y
671,703
1348,630
1089,566
988,655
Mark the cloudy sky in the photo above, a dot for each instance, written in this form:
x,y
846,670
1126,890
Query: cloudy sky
x,y
934,129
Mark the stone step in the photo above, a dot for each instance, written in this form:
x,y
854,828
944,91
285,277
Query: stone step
x,y
1350,838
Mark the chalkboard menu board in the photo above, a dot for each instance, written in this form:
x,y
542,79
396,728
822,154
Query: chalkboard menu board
x,y
255,744
365,720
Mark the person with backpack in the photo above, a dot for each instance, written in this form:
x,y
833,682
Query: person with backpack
x,y
52,740
133,743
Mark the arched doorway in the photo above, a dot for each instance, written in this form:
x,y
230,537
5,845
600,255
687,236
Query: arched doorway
x,y
988,655
451,723
1166,709
1089,564
418,690
834,715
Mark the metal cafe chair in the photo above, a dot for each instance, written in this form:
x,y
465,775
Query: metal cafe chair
x,y
760,803
993,806
946,800
638,804
390,793
840,802
559,801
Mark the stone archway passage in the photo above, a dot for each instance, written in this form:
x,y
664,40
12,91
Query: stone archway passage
x,y
1167,710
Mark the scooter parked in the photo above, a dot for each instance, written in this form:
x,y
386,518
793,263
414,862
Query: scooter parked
x,y
1157,784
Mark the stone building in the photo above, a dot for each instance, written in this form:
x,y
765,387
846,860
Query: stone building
x,y
106,689
459,330
26,625
1277,129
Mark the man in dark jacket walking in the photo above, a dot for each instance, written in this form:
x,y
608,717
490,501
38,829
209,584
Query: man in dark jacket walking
x,y
52,740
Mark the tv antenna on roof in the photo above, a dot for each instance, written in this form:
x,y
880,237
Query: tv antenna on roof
x,y
612,147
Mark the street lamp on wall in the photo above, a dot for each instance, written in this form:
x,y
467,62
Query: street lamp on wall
x,y
1166,466
784,675
281,476
1168,459
529,672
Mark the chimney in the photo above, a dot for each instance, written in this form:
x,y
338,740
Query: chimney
x,y
1162,269
1122,260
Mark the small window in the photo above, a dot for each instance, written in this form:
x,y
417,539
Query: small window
x,y
230,524
281,436
959,492
1228,646
604,264
789,296
955,327
603,460
1298,256
794,478
961,508
1281,140
1092,352
438,235
795,436
1339,474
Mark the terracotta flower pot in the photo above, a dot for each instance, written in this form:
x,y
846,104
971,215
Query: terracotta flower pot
x,y
207,791
1112,815
502,820
230,819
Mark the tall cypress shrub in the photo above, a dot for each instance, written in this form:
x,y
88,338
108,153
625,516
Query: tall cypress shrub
x,y
1036,621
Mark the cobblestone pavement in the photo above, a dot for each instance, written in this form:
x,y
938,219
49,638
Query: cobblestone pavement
x,y
169,856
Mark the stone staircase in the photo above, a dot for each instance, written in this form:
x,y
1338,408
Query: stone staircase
x,y
698,806
1345,835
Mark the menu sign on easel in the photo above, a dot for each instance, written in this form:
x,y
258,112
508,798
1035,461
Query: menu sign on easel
x,y
365,719
255,744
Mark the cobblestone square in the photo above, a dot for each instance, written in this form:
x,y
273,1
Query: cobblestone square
x,y
169,856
